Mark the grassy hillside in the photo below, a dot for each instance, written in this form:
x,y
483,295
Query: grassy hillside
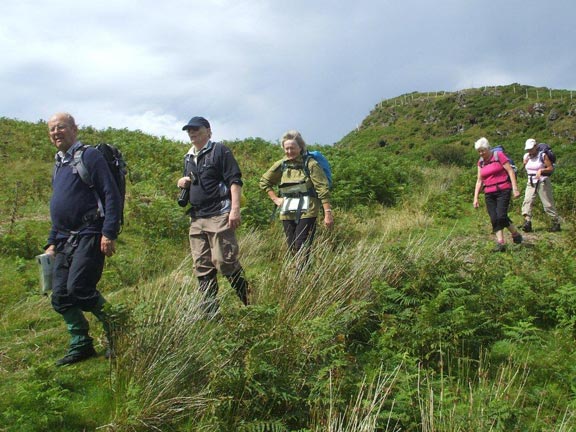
x,y
417,123
405,321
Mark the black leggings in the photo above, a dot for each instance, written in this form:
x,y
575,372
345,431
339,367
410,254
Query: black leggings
x,y
299,235
497,204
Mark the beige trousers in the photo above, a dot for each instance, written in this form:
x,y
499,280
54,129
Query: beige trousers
x,y
543,189
214,246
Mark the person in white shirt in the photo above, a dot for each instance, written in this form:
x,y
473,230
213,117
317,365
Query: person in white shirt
x,y
539,167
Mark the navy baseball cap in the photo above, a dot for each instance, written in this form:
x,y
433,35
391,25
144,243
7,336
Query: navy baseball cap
x,y
196,122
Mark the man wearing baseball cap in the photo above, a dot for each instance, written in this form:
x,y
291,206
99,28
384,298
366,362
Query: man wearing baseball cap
x,y
213,180
539,167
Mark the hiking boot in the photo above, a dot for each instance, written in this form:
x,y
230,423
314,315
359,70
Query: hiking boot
x,y
527,227
76,356
517,238
500,247
555,227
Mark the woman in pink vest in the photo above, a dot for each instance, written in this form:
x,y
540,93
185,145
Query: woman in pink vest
x,y
496,176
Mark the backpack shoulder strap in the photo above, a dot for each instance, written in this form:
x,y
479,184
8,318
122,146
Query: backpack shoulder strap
x,y
283,165
481,162
216,156
496,154
185,168
280,165
541,154
78,162
305,161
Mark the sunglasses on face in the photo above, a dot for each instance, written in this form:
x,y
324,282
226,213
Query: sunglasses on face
x,y
194,128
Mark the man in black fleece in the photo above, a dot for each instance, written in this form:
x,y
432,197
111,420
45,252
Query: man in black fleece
x,y
82,234
214,181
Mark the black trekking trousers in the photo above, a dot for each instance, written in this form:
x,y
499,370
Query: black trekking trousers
x,y
78,266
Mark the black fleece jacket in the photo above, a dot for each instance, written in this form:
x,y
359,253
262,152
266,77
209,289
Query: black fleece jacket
x,y
213,174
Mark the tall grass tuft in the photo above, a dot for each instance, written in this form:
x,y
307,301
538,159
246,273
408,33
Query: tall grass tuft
x,y
168,350
364,412
336,276
163,353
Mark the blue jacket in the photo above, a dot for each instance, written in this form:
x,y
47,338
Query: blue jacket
x,y
74,204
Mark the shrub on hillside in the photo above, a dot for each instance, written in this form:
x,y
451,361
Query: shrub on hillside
x,y
453,154
445,205
563,184
366,178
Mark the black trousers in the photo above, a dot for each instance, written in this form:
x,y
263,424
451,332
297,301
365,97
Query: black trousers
x,y
299,234
78,266
497,204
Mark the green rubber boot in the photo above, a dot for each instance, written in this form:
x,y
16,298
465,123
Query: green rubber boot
x,y
81,346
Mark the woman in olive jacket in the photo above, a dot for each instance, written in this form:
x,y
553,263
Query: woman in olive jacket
x,y
303,189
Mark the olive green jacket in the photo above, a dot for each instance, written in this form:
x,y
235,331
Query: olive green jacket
x,y
295,174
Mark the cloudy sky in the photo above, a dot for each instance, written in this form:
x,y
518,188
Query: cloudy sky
x,y
256,68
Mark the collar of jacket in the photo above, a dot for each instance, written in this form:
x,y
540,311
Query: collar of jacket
x,y
65,158
207,147
298,160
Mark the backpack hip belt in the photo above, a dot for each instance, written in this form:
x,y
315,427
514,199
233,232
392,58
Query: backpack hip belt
x,y
497,185
88,219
